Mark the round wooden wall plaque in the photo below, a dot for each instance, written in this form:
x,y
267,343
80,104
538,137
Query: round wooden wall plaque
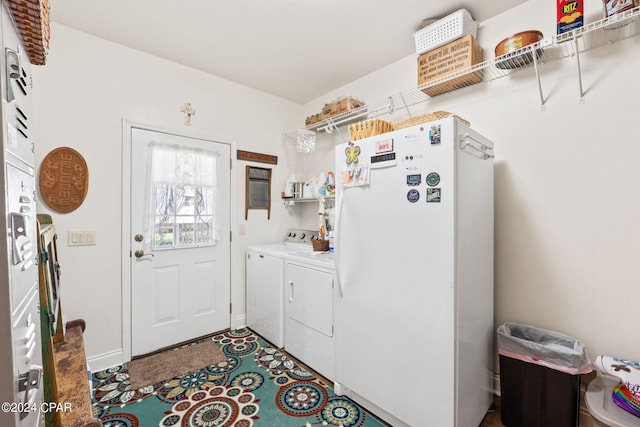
x,y
64,179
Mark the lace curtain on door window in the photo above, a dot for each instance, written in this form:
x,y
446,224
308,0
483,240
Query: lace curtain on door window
x,y
181,195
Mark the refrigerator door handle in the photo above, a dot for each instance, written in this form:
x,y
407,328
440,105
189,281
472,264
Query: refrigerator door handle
x,y
468,141
336,243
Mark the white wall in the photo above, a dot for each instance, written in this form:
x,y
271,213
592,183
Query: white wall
x,y
80,98
567,199
567,192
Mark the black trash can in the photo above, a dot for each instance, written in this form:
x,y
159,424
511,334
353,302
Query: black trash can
x,y
539,376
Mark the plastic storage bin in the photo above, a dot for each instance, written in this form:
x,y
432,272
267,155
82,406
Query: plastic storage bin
x,y
445,30
605,413
540,376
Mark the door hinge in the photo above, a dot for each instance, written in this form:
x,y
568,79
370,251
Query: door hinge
x,y
230,307
230,163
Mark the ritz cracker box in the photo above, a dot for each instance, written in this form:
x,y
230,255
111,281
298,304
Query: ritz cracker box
x,y
451,58
570,15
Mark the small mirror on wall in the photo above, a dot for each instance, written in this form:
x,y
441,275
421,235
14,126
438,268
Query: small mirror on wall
x,y
257,190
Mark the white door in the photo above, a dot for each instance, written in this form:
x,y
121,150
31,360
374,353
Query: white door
x,y
180,238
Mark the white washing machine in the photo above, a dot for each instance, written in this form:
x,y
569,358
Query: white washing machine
x,y
264,272
310,296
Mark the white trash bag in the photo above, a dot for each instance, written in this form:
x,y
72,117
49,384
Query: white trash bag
x,y
542,347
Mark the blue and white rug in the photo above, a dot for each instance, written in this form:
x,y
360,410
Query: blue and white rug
x,y
258,385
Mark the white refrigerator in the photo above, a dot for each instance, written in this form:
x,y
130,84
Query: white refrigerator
x,y
414,258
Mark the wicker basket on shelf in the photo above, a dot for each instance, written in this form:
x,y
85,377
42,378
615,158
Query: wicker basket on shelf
x,y
425,118
320,245
369,128
33,22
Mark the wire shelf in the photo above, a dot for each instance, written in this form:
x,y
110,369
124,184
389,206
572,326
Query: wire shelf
x,y
601,33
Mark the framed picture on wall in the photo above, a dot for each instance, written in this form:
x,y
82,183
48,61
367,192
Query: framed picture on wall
x,y
257,190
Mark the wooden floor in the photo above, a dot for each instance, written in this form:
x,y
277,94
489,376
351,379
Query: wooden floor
x,y
492,419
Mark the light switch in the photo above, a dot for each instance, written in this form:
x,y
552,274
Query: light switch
x,y
81,238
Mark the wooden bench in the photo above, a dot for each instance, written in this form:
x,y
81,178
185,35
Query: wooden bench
x,y
73,393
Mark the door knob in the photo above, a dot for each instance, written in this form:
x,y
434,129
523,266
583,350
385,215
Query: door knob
x,y
140,253
139,237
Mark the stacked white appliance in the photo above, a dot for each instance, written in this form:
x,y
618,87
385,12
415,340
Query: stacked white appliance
x,y
414,260
20,343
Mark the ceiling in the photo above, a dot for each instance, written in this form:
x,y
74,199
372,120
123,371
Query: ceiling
x,y
294,49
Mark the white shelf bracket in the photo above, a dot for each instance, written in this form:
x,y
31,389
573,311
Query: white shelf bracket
x,y
535,67
577,52
331,126
404,103
391,107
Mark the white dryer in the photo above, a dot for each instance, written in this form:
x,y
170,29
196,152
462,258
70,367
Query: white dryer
x,y
310,296
264,272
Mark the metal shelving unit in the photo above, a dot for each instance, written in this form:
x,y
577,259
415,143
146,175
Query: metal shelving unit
x,y
291,201
572,44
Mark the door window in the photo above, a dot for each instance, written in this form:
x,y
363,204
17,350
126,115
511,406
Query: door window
x,y
182,197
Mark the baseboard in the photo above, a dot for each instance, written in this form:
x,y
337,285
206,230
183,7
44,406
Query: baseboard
x,y
105,360
496,384
584,417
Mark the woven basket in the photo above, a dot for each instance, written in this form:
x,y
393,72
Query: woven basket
x,y
320,245
427,117
32,20
369,128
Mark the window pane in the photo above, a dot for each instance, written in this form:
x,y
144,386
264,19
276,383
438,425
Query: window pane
x,y
185,231
184,199
163,235
204,201
163,199
204,231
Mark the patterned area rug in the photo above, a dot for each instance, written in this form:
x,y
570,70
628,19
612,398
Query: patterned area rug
x,y
257,385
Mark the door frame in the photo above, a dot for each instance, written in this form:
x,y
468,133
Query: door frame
x,y
127,126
